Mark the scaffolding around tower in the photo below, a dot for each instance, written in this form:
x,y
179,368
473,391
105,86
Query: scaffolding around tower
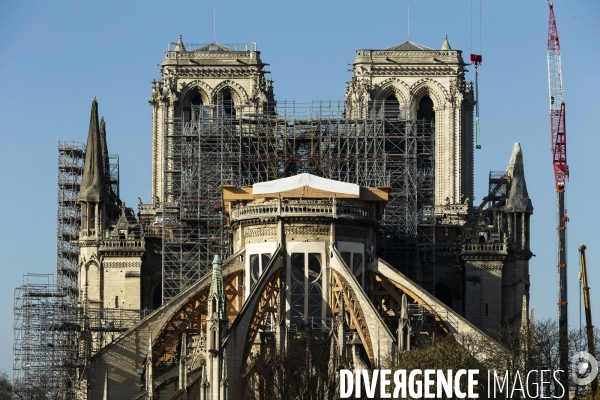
x,y
45,352
224,143
71,156
49,321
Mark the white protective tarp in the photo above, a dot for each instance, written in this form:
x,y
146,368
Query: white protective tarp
x,y
298,181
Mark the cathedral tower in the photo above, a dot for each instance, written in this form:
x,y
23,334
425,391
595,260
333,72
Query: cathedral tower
x,y
413,82
496,254
194,81
91,196
111,245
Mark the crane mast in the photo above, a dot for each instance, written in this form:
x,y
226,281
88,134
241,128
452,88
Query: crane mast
x,y
589,327
561,173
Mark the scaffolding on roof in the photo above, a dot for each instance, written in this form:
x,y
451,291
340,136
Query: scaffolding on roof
x,y
225,143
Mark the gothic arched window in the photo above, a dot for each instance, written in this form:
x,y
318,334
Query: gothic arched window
x,y
193,107
228,103
306,288
425,110
391,107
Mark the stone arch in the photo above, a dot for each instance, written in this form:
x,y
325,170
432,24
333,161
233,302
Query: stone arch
x,y
238,93
205,91
428,87
188,92
93,260
392,86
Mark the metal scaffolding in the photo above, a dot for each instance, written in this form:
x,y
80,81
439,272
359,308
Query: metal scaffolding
x,y
227,144
103,326
48,320
71,156
44,347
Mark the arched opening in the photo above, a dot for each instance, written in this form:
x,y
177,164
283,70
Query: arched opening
x,y
258,264
391,107
314,290
444,293
197,100
193,107
297,314
425,109
228,103
306,290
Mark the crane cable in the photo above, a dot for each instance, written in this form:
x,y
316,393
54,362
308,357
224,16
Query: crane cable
x,y
476,61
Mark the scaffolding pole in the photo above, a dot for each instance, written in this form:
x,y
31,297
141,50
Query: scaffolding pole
x,y
223,143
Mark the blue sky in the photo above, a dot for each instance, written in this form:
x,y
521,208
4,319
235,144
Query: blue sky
x,y
59,55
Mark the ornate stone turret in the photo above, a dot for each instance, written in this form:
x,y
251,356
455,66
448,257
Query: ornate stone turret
x,y
216,296
91,196
183,363
446,44
341,329
404,329
216,325
518,210
149,372
110,259
497,257
180,48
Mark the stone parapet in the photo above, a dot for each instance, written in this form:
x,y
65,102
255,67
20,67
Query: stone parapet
x,y
304,208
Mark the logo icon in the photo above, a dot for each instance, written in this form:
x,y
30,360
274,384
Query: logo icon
x,y
580,363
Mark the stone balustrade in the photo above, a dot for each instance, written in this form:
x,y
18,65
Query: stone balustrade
x,y
117,243
325,208
453,209
175,55
424,54
485,247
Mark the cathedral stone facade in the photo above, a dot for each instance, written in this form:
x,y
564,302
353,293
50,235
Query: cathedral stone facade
x,y
294,249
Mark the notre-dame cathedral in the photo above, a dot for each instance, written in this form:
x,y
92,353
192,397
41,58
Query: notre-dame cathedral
x,y
353,221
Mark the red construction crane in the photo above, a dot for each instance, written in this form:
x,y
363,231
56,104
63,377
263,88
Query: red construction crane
x,y
558,132
557,105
